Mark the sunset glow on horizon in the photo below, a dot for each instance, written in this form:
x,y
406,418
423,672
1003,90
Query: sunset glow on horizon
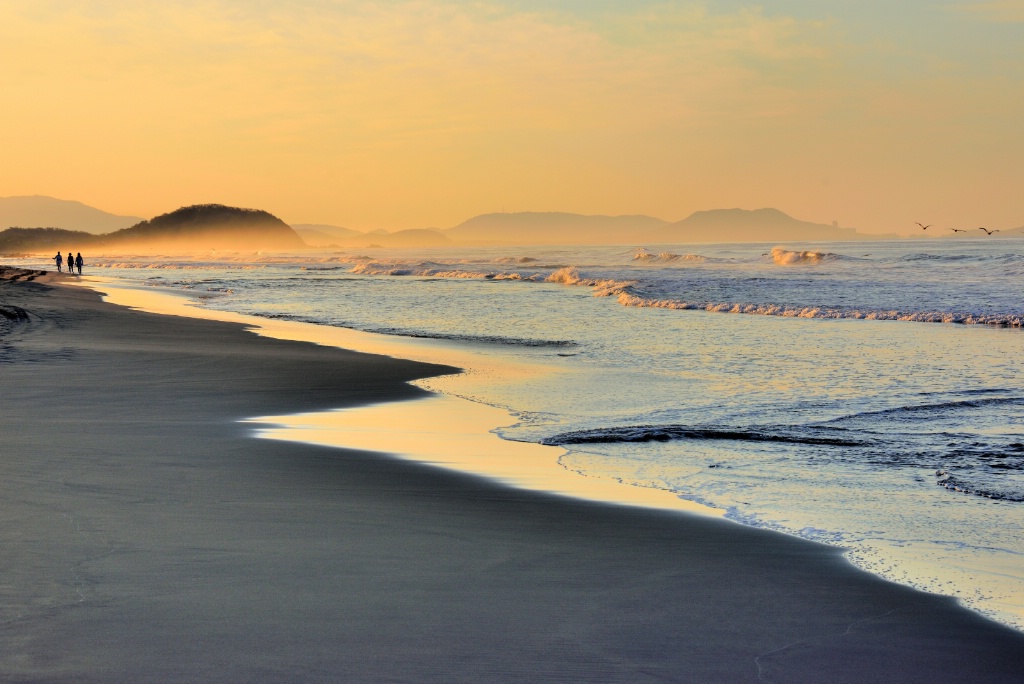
x,y
419,113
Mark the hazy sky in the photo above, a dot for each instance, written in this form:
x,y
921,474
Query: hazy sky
x,y
400,114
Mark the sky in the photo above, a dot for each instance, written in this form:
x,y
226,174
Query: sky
x,y
413,113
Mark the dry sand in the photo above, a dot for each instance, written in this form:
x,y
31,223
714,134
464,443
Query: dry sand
x,y
148,537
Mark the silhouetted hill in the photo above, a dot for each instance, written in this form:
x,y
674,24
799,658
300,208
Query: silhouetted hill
x,y
38,210
209,226
551,228
741,225
25,240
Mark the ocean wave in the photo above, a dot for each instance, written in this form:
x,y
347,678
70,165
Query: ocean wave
x,y
418,334
463,337
926,409
666,433
627,294
997,491
217,262
643,256
603,287
164,266
440,271
1008,320
981,258
515,260
786,257
565,275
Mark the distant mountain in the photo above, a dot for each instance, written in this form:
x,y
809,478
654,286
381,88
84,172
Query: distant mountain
x,y
199,227
33,211
412,238
321,234
317,238
741,225
551,228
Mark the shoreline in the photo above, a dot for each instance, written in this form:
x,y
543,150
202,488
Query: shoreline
x,y
467,436
480,451
164,529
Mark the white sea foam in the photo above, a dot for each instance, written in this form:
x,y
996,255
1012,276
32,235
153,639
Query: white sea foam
x,y
786,257
515,260
438,271
786,311
603,287
643,256
165,266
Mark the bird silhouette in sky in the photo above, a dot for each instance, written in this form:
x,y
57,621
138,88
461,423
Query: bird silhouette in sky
x,y
959,230
989,232
924,227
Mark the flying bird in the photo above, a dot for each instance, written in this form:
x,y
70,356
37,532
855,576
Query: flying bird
x,y
924,227
959,230
989,232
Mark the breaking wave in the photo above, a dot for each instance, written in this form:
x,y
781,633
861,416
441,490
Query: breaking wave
x,y
928,410
515,260
666,433
603,287
433,270
627,295
786,257
490,339
1009,320
168,266
643,256
989,490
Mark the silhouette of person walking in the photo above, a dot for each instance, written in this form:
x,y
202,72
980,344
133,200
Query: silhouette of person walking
x,y
60,260
71,263
79,262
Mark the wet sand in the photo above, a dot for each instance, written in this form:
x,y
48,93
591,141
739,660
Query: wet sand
x,y
148,536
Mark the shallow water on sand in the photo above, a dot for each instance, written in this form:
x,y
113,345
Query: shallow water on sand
x,y
835,412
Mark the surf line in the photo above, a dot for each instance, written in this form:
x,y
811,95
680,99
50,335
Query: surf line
x,y
443,429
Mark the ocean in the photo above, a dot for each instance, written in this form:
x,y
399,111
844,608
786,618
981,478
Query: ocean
x,y
867,395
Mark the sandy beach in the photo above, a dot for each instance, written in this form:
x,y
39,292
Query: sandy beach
x,y
148,537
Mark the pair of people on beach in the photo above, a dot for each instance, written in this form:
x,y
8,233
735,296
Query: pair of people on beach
x,y
72,262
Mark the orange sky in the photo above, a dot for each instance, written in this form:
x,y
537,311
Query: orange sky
x,y
400,114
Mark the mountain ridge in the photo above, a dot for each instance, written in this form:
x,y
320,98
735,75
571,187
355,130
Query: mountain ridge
x,y
751,225
713,225
552,227
31,211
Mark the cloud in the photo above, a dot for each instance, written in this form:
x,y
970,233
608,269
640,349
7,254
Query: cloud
x,y
332,109
410,65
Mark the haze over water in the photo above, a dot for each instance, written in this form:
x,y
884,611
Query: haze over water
x,y
830,409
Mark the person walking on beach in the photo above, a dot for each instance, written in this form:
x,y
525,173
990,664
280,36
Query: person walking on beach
x,y
79,262
71,263
60,260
